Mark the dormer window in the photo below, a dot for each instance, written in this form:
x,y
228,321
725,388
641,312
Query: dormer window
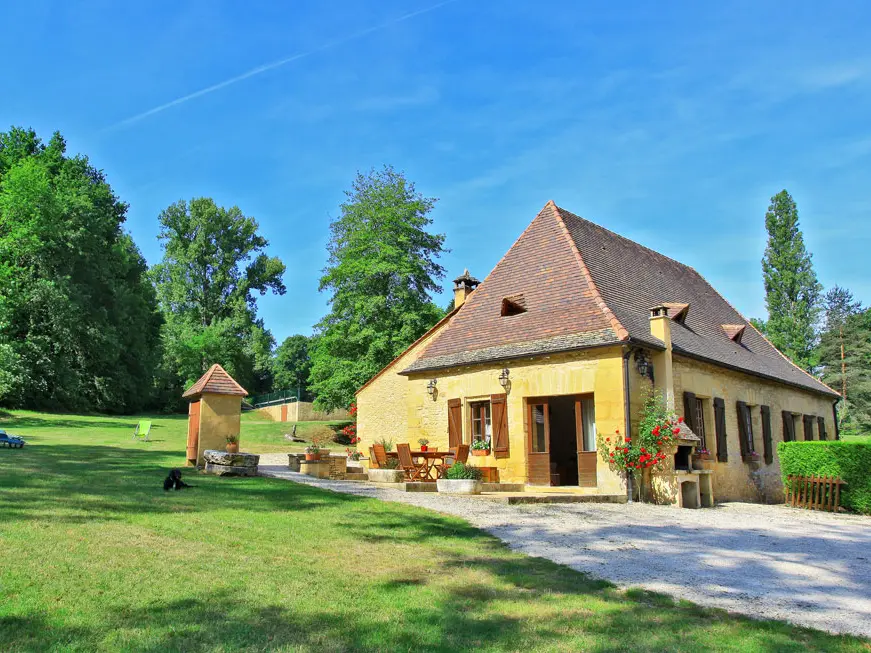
x,y
513,305
677,311
734,331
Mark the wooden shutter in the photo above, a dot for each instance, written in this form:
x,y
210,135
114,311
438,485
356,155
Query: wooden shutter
x,y
742,427
689,410
499,417
808,422
822,424
720,426
788,426
193,430
768,452
455,422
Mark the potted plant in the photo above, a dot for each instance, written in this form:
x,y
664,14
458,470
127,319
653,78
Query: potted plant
x,y
701,458
480,447
388,473
232,443
354,455
460,479
423,442
312,452
752,459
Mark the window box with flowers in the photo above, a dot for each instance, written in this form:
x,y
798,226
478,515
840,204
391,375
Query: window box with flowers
x,y
702,459
480,447
751,458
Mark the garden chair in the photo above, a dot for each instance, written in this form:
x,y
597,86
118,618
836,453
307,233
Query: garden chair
x,y
458,454
379,454
406,463
142,430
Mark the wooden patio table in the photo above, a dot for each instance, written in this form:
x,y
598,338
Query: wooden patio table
x,y
430,459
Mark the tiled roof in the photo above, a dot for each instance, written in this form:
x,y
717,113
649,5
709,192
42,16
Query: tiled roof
x,y
586,286
217,382
633,278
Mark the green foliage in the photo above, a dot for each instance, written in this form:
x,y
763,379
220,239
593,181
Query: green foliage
x,y
792,292
213,266
657,429
852,373
462,472
849,461
292,364
79,327
381,270
392,462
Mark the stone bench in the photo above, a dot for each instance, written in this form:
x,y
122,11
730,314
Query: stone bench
x,y
230,464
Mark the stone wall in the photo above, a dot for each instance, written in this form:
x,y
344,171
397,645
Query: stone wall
x,y
400,408
735,480
302,411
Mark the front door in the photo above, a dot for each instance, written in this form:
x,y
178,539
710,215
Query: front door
x,y
193,431
538,444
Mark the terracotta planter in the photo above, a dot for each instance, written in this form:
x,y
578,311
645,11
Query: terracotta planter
x,y
480,452
232,447
312,456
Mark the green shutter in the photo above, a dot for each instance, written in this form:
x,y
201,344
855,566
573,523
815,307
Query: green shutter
x,y
742,427
821,421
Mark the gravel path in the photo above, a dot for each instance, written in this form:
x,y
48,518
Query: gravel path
x,y
813,569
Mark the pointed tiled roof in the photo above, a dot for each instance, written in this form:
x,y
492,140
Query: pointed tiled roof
x,y
586,286
217,382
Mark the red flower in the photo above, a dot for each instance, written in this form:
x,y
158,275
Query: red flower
x,y
655,430
617,431
680,420
643,450
675,431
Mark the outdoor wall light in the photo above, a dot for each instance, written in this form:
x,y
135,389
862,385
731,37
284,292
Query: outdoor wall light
x,y
643,364
503,378
431,387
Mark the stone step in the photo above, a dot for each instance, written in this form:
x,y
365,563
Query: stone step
x,y
533,497
354,476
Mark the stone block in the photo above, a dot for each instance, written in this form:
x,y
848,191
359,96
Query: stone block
x,y
222,463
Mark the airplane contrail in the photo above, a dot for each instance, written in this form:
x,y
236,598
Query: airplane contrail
x,y
271,66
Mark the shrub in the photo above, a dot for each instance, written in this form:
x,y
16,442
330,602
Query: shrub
x,y
463,472
849,461
388,444
391,463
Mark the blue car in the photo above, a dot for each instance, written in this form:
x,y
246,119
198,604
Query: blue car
x,y
12,441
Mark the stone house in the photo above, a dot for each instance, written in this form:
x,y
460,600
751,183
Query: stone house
x,y
559,343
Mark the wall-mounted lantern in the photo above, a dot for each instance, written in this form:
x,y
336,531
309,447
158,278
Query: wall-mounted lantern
x,y
504,381
431,387
643,364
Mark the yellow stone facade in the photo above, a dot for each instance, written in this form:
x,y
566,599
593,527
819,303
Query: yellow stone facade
x,y
398,408
220,416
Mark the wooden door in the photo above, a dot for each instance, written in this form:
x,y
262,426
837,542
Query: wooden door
x,y
586,459
538,444
455,423
283,412
193,430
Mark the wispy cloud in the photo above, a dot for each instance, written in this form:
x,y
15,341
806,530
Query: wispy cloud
x,y
272,66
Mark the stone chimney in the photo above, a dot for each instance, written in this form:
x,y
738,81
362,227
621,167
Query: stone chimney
x,y
660,328
463,287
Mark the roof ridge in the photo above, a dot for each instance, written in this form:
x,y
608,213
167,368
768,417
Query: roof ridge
x,y
620,330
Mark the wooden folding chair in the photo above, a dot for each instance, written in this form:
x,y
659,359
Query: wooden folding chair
x,y
406,463
373,460
379,455
458,454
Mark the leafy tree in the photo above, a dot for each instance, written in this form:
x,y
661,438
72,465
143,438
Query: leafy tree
x,y
381,270
845,357
213,266
792,292
79,327
292,365
852,371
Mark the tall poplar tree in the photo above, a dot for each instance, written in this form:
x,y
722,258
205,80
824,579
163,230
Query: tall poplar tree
x,y
792,292
380,273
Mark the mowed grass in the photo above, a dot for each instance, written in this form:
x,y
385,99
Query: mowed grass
x,y
97,557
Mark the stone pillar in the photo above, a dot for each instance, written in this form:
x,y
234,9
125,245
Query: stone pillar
x,y
660,328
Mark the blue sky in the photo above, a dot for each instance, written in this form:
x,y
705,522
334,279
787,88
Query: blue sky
x,y
671,123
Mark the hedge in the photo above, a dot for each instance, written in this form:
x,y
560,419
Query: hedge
x,y
849,461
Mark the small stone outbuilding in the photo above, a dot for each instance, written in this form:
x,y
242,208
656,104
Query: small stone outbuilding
x,y
215,412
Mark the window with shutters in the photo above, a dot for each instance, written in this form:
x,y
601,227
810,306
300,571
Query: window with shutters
x,y
822,426
720,427
808,427
748,428
788,426
481,425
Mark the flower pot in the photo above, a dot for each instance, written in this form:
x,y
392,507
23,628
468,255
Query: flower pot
x,y
232,447
458,486
423,447
312,456
480,452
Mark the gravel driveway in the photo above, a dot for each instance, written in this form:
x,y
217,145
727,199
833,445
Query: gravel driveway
x,y
775,562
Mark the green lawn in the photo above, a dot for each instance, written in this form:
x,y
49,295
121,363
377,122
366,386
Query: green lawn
x,y
96,557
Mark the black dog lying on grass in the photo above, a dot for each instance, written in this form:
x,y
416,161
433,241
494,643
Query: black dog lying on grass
x,y
173,481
